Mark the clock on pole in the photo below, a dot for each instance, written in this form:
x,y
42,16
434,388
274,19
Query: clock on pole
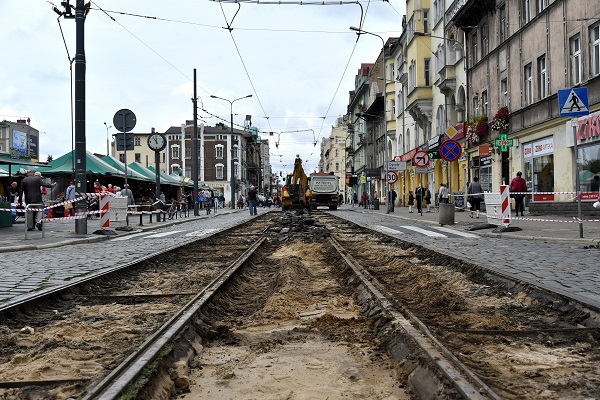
x,y
157,142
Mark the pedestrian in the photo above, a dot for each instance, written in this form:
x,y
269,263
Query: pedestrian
x,y
354,198
393,196
252,200
70,195
126,192
162,197
341,199
15,199
443,195
221,200
411,201
519,186
30,186
97,187
595,185
474,196
110,189
419,193
428,199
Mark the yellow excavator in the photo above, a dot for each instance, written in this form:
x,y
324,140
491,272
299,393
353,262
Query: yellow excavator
x,y
295,193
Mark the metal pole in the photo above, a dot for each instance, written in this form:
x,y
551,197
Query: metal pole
x,y
232,183
80,147
125,147
577,183
157,166
195,149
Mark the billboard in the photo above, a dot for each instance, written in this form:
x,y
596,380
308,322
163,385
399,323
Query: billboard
x,y
19,142
32,150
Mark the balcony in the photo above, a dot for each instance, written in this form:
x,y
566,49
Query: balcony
x,y
447,80
403,74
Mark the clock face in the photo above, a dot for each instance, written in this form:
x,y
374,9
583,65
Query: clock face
x,y
157,142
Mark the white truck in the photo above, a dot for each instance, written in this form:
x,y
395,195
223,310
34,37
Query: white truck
x,y
324,188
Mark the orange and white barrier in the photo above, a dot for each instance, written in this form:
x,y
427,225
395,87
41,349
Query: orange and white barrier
x,y
104,207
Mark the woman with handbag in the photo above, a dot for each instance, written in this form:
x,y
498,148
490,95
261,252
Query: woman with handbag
x,y
475,195
70,195
519,186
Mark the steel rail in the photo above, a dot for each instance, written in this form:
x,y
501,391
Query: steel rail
x,y
114,383
463,379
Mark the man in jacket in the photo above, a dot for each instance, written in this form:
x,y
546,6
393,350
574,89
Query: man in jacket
x,y
31,187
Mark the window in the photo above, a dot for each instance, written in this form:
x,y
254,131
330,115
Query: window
x,y
542,73
527,85
427,72
138,158
219,152
337,167
137,141
219,168
502,27
175,152
337,153
484,40
526,11
393,104
541,5
122,157
474,55
595,49
188,152
484,102
425,21
407,139
504,92
220,137
476,104
412,76
576,68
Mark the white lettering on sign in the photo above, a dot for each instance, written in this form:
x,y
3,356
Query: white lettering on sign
x,y
543,147
323,185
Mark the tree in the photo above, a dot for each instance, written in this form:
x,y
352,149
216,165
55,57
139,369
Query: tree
x,y
49,159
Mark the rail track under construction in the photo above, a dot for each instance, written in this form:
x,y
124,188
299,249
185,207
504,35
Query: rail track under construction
x,y
294,305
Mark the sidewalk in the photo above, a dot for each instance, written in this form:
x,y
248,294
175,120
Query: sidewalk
x,y
545,227
62,232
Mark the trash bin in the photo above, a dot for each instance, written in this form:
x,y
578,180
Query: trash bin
x,y
446,214
5,216
375,204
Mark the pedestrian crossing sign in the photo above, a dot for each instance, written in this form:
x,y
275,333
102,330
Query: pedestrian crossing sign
x,y
573,102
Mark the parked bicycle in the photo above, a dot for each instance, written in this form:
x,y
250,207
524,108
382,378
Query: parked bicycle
x,y
183,209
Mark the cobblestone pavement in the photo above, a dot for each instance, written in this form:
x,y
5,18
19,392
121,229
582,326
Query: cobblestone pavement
x,y
39,264
544,252
547,254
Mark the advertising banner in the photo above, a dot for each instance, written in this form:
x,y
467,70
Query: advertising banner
x,y
19,141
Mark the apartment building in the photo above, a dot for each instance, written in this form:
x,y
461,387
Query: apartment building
x,y
520,53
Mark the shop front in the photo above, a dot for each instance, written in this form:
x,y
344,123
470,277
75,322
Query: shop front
x,y
588,158
538,168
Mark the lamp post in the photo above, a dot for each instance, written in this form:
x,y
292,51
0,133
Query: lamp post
x,y
385,134
232,165
107,140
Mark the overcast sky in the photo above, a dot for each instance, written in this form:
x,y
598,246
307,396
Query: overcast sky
x,y
298,62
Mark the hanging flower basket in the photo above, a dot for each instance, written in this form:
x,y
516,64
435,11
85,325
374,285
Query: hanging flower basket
x,y
477,128
500,120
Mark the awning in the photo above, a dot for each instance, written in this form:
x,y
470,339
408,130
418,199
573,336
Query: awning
x,y
131,174
63,165
151,174
167,179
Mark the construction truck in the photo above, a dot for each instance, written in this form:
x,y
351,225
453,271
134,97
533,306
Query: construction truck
x,y
324,187
295,193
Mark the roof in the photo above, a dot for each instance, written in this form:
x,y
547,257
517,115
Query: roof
x,y
64,165
131,174
151,174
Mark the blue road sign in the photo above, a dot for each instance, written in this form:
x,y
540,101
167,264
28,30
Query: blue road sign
x,y
450,150
573,102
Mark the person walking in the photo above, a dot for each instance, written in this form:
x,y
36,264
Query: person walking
x,y
15,199
252,200
393,196
70,195
519,186
428,199
443,195
31,187
419,193
474,196
411,201
126,192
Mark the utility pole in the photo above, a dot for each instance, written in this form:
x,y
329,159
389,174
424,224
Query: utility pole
x,y
80,145
195,148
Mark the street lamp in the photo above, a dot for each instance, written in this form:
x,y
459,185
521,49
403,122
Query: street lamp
x,y
232,180
107,140
385,157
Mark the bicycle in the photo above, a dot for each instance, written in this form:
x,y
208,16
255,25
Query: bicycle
x,y
183,209
172,210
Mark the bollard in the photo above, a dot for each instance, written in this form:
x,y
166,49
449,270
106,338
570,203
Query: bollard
x,y
141,222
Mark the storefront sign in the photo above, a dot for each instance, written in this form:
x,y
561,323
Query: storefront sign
x,y
543,147
434,142
407,157
588,128
528,150
484,150
485,161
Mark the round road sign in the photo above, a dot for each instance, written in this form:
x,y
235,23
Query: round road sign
x,y
450,150
124,120
421,158
391,177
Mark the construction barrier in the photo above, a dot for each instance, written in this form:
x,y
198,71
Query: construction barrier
x,y
117,211
104,207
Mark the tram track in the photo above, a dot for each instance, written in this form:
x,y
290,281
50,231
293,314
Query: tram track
x,y
334,307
